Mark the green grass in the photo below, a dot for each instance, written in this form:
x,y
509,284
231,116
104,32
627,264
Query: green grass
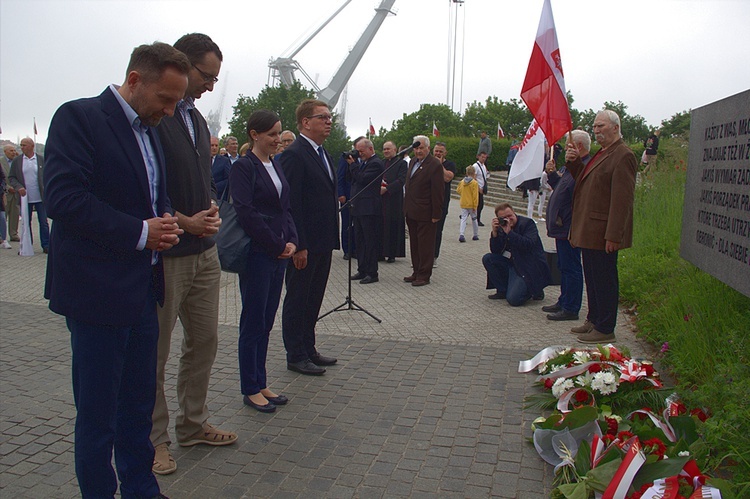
x,y
705,322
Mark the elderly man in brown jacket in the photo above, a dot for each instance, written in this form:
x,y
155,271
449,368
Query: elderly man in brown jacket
x,y
423,208
602,222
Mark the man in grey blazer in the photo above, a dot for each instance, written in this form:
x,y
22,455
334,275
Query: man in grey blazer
x,y
31,164
11,196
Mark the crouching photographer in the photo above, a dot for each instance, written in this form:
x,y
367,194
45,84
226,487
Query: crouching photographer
x,y
517,266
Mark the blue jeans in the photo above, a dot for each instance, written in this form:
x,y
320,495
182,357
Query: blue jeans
x,y
260,288
3,227
571,276
503,277
41,215
114,386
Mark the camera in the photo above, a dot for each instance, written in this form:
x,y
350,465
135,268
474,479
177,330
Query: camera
x,y
502,221
354,154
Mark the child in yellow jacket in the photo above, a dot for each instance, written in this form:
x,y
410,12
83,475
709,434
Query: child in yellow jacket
x,y
468,188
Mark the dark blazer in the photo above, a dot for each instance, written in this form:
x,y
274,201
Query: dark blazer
x,y
220,172
313,197
369,201
603,198
266,217
527,253
97,193
15,176
560,204
425,190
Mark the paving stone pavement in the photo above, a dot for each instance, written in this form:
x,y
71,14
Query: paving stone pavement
x,y
427,403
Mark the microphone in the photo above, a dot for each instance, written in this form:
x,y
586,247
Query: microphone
x,y
408,149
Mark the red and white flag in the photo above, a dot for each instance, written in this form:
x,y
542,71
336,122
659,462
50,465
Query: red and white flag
x,y
372,129
435,131
500,133
35,132
529,162
544,87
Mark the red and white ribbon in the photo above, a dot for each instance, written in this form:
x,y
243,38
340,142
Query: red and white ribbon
x,y
662,425
664,488
631,463
597,447
563,403
543,356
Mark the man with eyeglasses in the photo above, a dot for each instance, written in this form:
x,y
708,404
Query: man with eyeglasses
x,y
287,137
191,268
312,185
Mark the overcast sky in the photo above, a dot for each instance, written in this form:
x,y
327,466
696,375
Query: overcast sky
x,y
659,57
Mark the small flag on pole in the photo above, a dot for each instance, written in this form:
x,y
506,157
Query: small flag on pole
x,y
543,89
435,131
372,129
500,133
35,132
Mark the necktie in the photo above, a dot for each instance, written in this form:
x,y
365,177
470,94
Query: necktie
x,y
323,159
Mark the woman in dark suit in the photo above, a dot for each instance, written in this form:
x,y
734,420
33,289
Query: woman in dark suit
x,y
260,195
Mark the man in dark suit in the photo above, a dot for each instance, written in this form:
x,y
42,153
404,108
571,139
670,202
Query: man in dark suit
x,y
191,269
32,187
602,222
559,216
423,208
516,265
367,210
312,187
220,166
104,188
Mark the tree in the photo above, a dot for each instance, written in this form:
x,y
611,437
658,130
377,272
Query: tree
x,y
513,116
633,128
677,126
282,100
420,123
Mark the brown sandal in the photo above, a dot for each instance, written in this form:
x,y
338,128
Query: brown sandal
x,y
211,435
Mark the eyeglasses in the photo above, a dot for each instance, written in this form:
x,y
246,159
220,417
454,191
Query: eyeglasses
x,y
206,76
324,117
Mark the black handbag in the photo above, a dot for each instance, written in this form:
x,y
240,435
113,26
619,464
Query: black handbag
x,y
232,242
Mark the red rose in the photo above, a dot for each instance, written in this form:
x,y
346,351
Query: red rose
x,y
595,368
581,396
548,383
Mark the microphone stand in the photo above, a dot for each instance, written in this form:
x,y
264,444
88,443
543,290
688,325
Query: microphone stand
x,y
349,303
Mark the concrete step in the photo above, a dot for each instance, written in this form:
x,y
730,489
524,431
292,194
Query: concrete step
x,y
498,192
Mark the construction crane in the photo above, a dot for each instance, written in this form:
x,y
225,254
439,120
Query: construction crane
x,y
283,68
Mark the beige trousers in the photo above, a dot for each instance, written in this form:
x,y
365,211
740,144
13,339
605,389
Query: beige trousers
x,y
192,294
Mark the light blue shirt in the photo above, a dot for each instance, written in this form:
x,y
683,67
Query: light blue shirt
x,y
149,160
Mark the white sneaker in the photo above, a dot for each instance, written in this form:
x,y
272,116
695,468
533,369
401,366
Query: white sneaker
x,y
6,245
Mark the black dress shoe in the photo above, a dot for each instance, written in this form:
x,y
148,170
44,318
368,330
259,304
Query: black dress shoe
x,y
551,309
305,367
369,280
420,282
280,400
562,315
480,224
358,276
410,278
346,256
497,296
320,360
538,297
269,407
391,259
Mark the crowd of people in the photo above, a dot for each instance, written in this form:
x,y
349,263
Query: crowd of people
x,y
133,181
